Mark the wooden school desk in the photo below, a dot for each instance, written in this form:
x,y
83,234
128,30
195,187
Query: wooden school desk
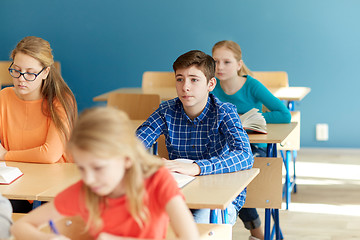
x,y
38,178
283,93
297,94
43,181
277,133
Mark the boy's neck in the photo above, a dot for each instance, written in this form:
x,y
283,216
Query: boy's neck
x,y
194,112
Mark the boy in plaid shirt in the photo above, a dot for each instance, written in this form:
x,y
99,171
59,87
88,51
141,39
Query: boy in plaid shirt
x,y
199,127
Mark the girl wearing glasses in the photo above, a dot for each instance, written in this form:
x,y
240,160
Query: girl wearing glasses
x,y
38,112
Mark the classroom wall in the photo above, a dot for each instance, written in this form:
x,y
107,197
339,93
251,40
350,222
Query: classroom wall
x,y
103,45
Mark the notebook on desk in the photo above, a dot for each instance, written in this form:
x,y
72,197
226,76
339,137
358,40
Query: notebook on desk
x,y
182,179
9,174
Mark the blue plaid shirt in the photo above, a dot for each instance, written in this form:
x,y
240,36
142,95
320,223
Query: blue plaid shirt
x,y
215,139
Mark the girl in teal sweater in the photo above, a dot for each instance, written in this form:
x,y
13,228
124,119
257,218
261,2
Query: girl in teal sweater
x,y
236,85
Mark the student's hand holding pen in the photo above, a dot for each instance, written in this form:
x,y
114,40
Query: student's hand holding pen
x,y
185,168
57,235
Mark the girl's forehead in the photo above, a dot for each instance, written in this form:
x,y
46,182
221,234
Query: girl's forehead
x,y
25,61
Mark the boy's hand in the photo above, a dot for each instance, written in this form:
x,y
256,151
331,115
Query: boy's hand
x,y
180,167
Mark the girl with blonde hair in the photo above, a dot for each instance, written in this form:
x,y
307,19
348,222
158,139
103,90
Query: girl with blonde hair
x,y
236,85
125,193
38,112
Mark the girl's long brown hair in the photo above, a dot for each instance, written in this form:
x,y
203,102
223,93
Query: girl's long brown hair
x,y
53,88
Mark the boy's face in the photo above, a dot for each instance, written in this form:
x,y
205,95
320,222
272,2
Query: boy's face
x,y
193,89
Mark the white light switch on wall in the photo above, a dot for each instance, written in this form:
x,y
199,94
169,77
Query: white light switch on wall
x,y
322,132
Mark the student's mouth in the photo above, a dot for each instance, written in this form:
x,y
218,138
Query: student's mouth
x,y
186,97
95,189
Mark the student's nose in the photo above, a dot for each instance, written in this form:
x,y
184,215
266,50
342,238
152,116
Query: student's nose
x,y
186,86
21,78
88,177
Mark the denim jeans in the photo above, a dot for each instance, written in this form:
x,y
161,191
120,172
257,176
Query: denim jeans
x,y
203,215
250,218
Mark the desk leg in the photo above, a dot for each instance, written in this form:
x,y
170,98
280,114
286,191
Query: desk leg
x,y
294,176
267,224
275,214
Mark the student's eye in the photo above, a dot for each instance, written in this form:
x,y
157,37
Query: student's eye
x,y
227,62
194,80
98,168
179,79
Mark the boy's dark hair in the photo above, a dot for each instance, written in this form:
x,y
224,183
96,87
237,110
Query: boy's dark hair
x,y
201,60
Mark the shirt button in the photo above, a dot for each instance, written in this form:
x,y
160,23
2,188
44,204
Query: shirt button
x,y
193,146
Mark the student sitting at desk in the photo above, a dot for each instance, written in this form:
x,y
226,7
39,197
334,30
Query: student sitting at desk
x,y
36,115
199,127
238,87
125,192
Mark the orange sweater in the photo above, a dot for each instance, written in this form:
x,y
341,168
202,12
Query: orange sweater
x,y
27,134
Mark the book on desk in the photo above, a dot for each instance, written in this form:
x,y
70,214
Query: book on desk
x,y
253,121
9,174
182,179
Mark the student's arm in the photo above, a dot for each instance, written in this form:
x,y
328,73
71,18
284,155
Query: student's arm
x,y
278,112
50,152
181,221
239,156
151,129
27,226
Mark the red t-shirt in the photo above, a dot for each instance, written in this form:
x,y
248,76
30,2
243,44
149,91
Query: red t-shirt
x,y
117,220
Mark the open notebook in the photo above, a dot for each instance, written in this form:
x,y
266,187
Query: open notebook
x,y
9,174
182,179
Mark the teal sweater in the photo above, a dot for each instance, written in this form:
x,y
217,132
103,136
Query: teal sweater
x,y
254,94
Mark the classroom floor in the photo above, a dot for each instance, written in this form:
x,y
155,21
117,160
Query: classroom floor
x,y
327,204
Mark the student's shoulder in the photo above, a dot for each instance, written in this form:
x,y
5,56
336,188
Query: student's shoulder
x,y
6,92
253,82
72,189
170,105
222,107
161,174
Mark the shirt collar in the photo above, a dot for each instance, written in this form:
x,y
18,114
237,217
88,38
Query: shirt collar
x,y
203,114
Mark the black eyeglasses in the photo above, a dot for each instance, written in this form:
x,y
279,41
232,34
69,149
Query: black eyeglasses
x,y
27,76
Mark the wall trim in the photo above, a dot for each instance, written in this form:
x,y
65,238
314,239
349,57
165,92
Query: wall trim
x,y
347,151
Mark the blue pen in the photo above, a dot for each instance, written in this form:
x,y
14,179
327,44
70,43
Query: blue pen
x,y
53,227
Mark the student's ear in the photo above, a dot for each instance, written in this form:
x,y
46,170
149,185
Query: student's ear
x,y
240,64
46,73
128,162
212,84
